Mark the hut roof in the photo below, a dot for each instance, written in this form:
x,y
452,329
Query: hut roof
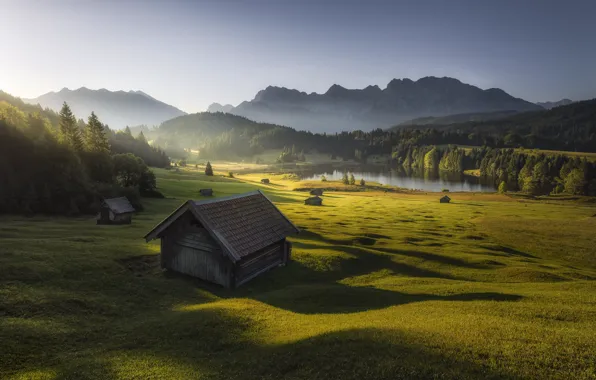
x,y
445,198
119,205
242,224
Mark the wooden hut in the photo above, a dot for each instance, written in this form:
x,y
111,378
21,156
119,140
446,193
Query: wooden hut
x,y
206,192
265,180
313,201
317,192
227,241
115,211
445,199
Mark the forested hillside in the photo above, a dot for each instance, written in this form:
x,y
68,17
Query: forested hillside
x,y
51,163
571,127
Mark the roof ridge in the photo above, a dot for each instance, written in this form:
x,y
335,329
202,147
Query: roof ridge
x,y
235,196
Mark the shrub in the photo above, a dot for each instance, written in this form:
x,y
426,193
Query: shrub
x,y
445,190
230,174
362,182
503,187
323,178
208,169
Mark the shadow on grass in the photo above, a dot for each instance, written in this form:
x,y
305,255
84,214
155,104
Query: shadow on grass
x,y
340,299
506,250
216,343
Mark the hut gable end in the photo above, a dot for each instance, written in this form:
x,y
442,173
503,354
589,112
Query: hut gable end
x,y
119,205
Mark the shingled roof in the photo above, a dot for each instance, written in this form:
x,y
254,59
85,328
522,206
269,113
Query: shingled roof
x,y
119,205
242,224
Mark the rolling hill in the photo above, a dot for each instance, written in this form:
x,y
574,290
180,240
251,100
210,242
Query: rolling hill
x,y
341,109
118,109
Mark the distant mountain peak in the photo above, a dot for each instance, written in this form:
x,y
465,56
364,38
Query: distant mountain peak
x,y
115,108
550,105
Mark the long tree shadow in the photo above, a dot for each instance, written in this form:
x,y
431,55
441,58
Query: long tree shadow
x,y
340,298
217,343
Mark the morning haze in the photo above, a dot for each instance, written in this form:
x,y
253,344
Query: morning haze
x,y
297,190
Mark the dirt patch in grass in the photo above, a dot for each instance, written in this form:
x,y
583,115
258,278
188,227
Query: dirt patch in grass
x,y
377,236
473,237
434,244
413,240
491,262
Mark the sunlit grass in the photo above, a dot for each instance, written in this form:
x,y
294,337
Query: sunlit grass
x,y
382,285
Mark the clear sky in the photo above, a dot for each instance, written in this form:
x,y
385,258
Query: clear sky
x,y
193,53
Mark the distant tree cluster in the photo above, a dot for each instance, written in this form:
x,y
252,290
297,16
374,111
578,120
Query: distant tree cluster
x,y
55,164
291,155
539,174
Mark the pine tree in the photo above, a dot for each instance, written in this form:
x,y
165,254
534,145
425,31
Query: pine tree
x,y
141,138
345,180
208,169
127,131
69,129
352,179
95,135
362,182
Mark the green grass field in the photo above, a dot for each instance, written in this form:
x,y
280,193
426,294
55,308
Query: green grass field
x,y
381,286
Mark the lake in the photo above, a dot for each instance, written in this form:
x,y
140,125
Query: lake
x,y
413,180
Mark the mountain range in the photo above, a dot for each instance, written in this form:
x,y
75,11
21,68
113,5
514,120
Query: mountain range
x,y
549,105
117,109
341,109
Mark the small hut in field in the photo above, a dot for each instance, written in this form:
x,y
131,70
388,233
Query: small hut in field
x,y
265,180
206,192
317,192
313,201
226,241
445,199
115,211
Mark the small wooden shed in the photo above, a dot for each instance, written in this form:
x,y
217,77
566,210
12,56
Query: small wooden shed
x,y
265,180
115,211
313,201
445,199
206,192
227,241
318,192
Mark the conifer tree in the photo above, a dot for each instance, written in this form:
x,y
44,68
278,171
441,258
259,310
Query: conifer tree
x,y
352,179
95,135
345,180
69,129
208,169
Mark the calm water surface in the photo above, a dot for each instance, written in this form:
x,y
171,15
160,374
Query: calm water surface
x,y
416,181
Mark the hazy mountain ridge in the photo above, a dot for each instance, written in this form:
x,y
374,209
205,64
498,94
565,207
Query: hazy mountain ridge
x,y
549,105
458,118
115,108
372,107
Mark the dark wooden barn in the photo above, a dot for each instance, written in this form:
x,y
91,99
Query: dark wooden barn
x,y
318,192
313,201
265,180
445,199
206,192
227,241
115,211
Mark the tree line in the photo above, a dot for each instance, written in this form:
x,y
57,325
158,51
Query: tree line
x,y
55,164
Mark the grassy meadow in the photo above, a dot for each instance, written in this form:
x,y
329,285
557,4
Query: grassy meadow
x,y
383,285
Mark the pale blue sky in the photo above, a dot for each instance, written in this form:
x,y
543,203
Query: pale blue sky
x,y
192,53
